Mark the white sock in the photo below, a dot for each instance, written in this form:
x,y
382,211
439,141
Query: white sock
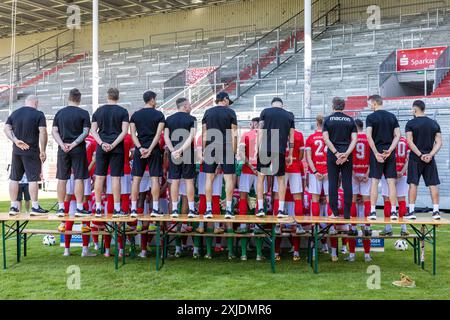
x,y
196,250
229,205
35,204
260,204
344,248
121,251
106,251
333,252
61,205
281,206
352,255
435,208
412,207
388,228
117,206
143,252
133,205
243,226
15,204
404,228
178,249
66,251
208,206
174,205
373,208
156,206
367,255
201,224
80,206
85,249
98,205
191,205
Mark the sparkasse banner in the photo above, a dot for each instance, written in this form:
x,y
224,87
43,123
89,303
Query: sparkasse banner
x,y
418,59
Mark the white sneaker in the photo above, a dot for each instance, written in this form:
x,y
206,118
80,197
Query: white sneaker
x,y
142,255
88,254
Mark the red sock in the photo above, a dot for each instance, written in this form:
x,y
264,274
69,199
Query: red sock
x,y
333,242
107,241
298,207
243,207
86,239
276,206
367,208
402,208
94,236
344,241
366,244
315,207
120,241
202,204
296,244
353,210
277,245
352,245
126,202
110,205
140,210
387,209
68,237
144,239
66,206
216,205
330,212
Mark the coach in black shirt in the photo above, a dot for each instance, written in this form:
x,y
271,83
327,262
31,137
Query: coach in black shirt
x,y
219,135
340,135
70,128
383,135
179,135
425,140
27,129
276,133
109,127
147,125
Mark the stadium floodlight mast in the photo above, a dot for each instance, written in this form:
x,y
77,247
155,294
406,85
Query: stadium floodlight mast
x,y
95,73
308,58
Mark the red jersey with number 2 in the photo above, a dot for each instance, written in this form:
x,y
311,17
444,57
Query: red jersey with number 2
x,y
319,149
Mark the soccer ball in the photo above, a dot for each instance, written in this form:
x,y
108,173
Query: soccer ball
x,y
49,240
401,245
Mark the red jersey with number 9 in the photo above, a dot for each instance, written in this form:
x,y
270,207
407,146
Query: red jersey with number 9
x,y
402,153
319,149
361,155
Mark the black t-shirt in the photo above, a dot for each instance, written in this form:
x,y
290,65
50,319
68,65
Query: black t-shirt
x,y
25,123
219,119
109,119
184,122
276,119
340,128
70,122
424,132
147,121
383,124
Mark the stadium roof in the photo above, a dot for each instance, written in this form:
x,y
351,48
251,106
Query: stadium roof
x,y
42,15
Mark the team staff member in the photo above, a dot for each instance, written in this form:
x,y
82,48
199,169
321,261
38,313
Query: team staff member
x,y
27,129
340,136
70,129
109,127
147,126
425,140
272,158
179,136
219,148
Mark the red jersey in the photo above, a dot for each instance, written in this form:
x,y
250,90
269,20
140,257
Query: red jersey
x,y
249,141
361,155
402,153
299,146
318,148
91,146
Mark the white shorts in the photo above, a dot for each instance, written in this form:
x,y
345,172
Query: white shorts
x,y
145,183
125,184
316,186
402,187
295,183
361,188
217,184
246,181
70,186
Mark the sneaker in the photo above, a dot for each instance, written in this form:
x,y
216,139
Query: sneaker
x,y
368,259
404,234
411,216
134,214
324,250
436,215
333,216
367,232
260,258
60,213
208,214
156,214
300,231
193,214
142,255
353,233
386,233
177,254
405,282
88,254
334,258
175,214
241,230
277,258
39,211
244,258
208,257
98,213
394,216
82,213
62,227
261,213
200,230
372,216
296,258
281,215
13,211
119,214
219,231
195,256
231,257
229,215
350,259
344,251
278,229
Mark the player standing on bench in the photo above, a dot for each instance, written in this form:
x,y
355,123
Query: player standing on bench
x,y
383,134
425,140
27,129
109,127
340,135
70,129
219,148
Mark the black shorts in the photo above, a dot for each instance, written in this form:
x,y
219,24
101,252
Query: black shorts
x,y
29,164
226,168
276,166
24,193
428,171
69,163
154,162
103,160
181,171
388,168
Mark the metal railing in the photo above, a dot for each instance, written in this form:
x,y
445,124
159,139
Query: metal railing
x,y
442,68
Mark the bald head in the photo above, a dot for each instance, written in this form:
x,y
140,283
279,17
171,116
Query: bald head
x,y
32,101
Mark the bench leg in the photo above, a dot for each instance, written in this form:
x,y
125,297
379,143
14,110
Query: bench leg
x,y
4,244
434,250
116,247
415,250
18,235
422,259
124,242
272,248
316,248
158,245
25,239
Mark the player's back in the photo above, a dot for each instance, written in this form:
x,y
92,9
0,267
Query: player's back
x,y
361,155
318,148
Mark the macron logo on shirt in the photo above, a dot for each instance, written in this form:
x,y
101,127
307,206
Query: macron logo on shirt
x,y
334,118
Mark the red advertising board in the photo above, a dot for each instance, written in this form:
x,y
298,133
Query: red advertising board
x,y
418,59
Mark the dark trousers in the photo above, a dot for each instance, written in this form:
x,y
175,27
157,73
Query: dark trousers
x,y
335,172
